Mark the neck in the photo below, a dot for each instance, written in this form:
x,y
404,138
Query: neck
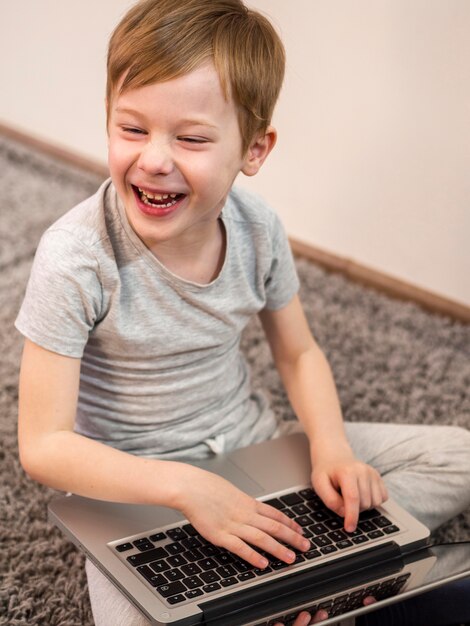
x,y
198,258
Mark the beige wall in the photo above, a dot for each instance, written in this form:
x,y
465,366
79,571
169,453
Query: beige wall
x,y
373,156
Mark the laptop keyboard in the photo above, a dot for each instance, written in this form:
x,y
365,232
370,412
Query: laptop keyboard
x,y
343,603
181,565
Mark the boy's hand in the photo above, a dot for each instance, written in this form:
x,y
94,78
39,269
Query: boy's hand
x,y
231,519
346,485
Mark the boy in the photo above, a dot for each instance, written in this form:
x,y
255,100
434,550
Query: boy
x,y
138,296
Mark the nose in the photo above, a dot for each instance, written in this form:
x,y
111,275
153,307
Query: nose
x,y
155,158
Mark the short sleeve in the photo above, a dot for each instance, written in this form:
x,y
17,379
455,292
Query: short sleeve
x,y
282,282
63,297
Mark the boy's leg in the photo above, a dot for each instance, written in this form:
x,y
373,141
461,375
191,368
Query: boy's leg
x,y
425,468
108,604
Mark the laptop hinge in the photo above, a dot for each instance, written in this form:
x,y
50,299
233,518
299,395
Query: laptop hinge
x,y
269,597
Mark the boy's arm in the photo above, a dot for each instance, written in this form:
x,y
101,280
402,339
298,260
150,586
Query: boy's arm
x,y
52,453
345,484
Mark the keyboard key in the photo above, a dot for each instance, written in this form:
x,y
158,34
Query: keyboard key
x,y
245,576
382,521
143,547
141,541
193,593
303,520
190,530
335,523
176,599
321,541
154,579
391,529
328,549
124,547
175,548
375,534
171,589
207,564
241,566
360,539
290,499
262,571
311,554
209,577
226,571
191,569
157,537
276,503
334,535
344,544
308,494
301,509
174,574
176,534
227,582
190,543
193,582
147,557
224,558
193,555
177,560
211,587
209,550
367,526
160,566
318,529
319,516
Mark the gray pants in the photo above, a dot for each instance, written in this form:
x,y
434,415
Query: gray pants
x,y
426,469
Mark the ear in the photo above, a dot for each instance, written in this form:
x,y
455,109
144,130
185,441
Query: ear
x,y
258,151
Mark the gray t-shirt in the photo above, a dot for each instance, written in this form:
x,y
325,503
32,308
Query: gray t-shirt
x,y
162,374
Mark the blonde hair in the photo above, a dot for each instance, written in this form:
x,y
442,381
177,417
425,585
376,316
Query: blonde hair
x,y
158,40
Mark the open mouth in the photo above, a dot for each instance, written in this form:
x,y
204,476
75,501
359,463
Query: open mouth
x,y
160,201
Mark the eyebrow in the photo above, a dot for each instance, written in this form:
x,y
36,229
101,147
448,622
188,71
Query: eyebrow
x,y
183,122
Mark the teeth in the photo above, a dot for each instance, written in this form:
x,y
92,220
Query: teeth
x,y
157,196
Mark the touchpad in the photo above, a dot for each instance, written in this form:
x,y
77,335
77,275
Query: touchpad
x,y
276,464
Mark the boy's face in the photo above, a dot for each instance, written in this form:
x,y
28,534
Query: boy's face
x,y
174,152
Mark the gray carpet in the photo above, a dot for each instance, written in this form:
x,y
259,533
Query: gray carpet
x,y
391,360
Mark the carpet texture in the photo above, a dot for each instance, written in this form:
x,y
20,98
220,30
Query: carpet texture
x,y
391,360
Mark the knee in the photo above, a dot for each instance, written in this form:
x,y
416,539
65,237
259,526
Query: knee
x,y
452,444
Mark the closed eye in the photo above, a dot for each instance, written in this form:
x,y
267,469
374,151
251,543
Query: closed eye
x,y
196,140
133,131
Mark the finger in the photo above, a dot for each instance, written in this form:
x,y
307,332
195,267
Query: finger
x,y
377,492
319,616
365,492
368,600
276,529
260,539
350,493
269,511
237,546
329,495
384,490
302,619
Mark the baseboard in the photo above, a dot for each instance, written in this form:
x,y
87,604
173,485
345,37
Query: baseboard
x,y
382,282
55,151
354,271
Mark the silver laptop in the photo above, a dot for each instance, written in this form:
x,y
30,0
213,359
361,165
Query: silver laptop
x,y
173,576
